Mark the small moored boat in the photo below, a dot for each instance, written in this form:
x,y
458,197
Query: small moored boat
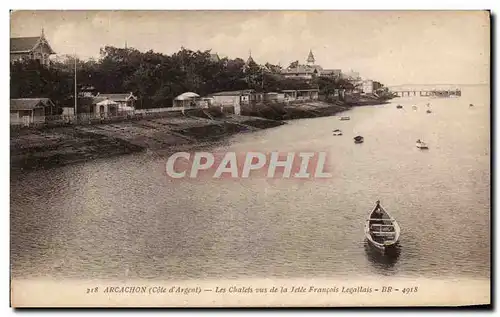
x,y
358,139
381,230
345,118
422,145
337,132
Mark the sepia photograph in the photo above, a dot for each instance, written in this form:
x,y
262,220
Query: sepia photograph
x,y
250,158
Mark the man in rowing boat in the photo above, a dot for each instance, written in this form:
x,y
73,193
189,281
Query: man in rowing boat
x,y
376,217
378,211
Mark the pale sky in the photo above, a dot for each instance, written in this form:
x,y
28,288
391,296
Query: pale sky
x,y
394,47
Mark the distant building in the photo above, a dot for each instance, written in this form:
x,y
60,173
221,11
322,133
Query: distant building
x,y
377,85
188,100
307,94
30,110
370,86
31,48
256,97
122,99
299,94
301,72
310,70
114,103
367,87
271,97
331,72
233,98
351,76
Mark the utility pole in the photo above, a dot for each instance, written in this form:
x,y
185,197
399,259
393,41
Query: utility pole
x,y
76,91
262,69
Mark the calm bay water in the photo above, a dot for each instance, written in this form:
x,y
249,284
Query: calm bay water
x,y
122,217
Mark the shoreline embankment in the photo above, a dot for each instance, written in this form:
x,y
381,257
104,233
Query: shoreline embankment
x,y
32,148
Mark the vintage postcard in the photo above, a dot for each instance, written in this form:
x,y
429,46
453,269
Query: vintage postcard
x,y
250,158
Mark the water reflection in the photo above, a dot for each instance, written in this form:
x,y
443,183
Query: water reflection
x,y
121,217
383,263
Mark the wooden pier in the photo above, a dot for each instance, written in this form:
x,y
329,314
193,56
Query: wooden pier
x,y
443,93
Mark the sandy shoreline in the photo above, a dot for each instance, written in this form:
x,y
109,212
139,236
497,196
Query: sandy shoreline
x,y
59,146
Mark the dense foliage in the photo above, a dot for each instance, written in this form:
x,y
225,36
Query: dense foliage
x,y
155,78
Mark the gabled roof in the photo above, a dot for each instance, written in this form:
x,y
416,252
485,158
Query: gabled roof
x,y
27,44
29,103
114,97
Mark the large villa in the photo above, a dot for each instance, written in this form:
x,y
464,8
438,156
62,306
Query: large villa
x,y
309,70
33,47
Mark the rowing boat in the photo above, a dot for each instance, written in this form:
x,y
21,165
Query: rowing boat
x,y
422,145
359,139
381,230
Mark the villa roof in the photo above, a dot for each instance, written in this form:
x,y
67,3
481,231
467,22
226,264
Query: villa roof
x,y
23,44
27,44
303,69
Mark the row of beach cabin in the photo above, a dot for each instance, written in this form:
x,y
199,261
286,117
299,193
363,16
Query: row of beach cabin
x,y
26,111
248,96
239,98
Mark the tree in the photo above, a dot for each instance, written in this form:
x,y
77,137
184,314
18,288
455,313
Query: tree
x,y
276,69
293,65
154,77
328,85
30,79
